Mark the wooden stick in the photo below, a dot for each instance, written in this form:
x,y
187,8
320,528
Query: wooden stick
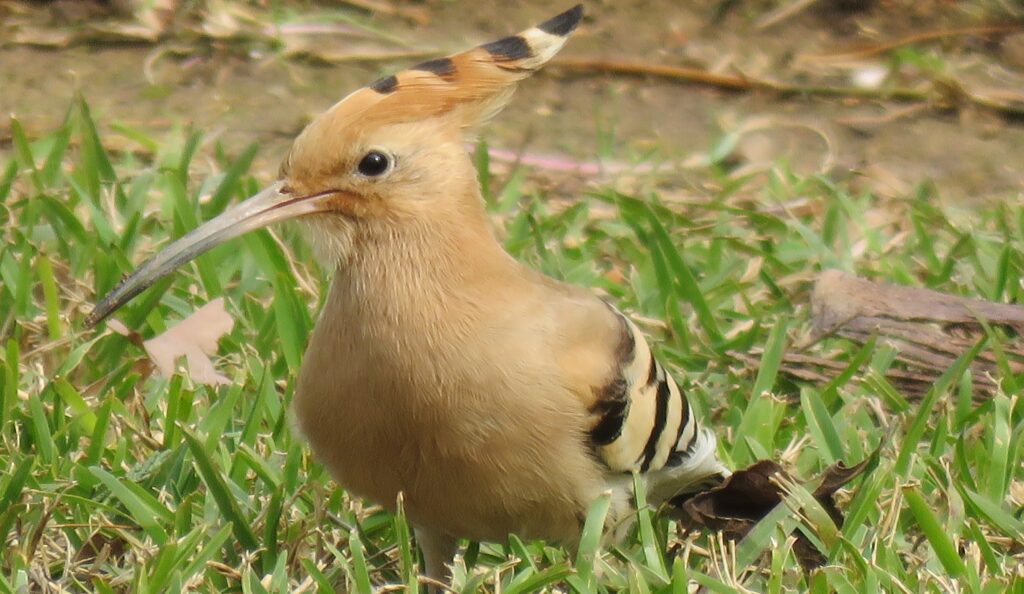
x,y
928,329
939,95
881,48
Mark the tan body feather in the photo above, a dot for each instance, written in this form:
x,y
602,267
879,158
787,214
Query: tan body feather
x,y
439,374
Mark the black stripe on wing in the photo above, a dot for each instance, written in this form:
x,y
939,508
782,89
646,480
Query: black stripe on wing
x,y
660,417
612,405
681,454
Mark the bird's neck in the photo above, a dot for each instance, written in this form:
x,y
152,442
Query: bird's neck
x,y
421,278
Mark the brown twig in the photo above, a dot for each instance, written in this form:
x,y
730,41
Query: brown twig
x,y
881,48
732,82
677,73
937,94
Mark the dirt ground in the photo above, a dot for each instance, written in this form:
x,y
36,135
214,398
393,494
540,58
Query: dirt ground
x,y
242,93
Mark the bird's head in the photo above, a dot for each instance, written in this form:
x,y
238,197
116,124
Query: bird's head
x,y
388,153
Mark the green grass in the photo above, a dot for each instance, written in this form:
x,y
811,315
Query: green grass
x,y
113,479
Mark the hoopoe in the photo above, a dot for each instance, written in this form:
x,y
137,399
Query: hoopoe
x,y
497,400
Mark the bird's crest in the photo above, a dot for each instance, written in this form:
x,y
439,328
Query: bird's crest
x,y
472,85
476,82
465,88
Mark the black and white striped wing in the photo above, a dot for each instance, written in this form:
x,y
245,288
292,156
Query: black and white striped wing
x,y
643,421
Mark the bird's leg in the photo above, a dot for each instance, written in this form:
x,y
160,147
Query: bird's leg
x,y
438,552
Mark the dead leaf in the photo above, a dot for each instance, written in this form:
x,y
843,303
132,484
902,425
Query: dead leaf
x,y
745,498
195,338
735,506
836,477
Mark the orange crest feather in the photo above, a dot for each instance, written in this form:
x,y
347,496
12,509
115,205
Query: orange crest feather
x,y
466,79
469,86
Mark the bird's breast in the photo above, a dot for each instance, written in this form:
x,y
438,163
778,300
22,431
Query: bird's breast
x,y
478,447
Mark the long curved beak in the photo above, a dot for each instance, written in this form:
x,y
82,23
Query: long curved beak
x,y
269,206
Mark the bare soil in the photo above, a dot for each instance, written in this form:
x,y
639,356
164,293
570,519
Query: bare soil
x,y
242,96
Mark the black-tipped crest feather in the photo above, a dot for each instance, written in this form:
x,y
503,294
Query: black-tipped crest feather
x,y
385,85
564,23
508,49
443,67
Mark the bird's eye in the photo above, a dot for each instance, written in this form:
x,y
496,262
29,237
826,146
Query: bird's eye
x,y
374,163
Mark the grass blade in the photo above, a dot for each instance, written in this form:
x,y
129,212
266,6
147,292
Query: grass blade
x,y
590,541
819,421
933,530
147,512
685,280
219,490
921,419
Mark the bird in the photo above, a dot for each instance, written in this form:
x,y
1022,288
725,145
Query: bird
x,y
496,400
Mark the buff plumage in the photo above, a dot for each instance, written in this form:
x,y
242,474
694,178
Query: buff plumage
x,y
494,399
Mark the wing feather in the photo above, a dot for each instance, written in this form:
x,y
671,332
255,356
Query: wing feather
x,y
642,421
